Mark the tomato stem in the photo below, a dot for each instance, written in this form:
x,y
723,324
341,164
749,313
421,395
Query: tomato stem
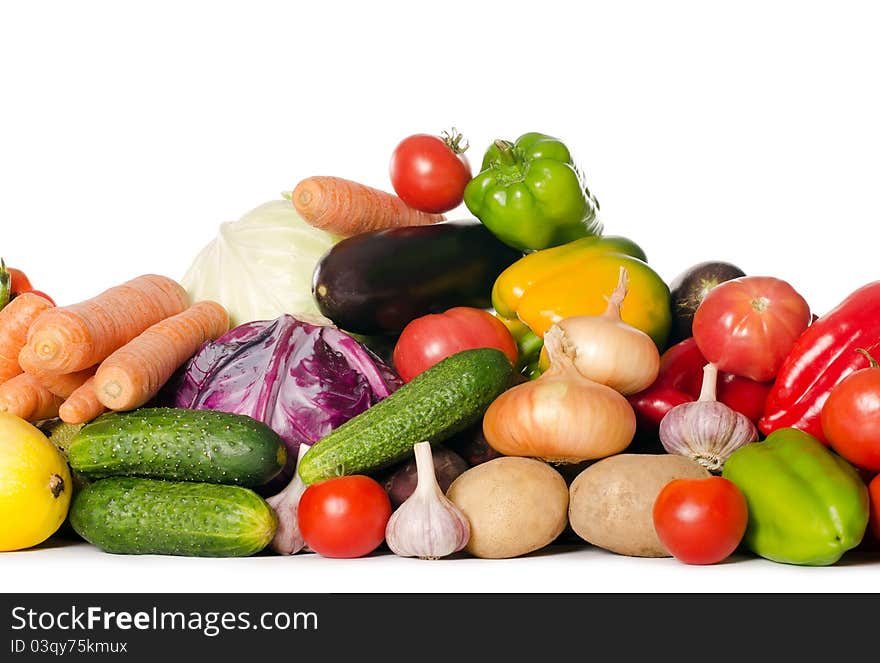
x,y
453,139
760,304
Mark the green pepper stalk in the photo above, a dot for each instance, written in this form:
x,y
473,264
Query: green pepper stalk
x,y
530,194
5,285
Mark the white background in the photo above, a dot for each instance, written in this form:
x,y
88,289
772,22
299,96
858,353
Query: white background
x,y
129,131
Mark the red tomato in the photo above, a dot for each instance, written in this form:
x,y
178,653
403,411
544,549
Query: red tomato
x,y
700,521
43,295
874,492
20,282
427,340
344,517
430,173
748,325
851,418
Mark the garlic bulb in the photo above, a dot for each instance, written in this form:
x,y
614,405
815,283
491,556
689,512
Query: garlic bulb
x,y
427,525
706,430
288,540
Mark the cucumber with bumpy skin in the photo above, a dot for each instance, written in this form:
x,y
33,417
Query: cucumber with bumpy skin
x,y
146,516
180,445
445,399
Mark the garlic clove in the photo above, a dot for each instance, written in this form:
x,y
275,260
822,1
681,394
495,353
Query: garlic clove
x,y
288,539
427,525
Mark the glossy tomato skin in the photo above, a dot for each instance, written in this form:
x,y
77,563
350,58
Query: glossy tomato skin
x,y
19,282
428,174
43,295
700,521
851,419
428,340
748,326
344,517
874,492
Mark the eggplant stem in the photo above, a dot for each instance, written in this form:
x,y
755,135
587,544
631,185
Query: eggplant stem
x,y
710,383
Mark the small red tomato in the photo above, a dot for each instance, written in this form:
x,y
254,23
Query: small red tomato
x,y
874,492
428,340
700,521
344,517
851,418
19,281
748,326
429,173
43,295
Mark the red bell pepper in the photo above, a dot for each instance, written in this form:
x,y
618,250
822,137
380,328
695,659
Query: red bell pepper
x,y
679,381
823,355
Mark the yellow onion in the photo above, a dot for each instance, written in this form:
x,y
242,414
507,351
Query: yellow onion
x,y
561,417
607,350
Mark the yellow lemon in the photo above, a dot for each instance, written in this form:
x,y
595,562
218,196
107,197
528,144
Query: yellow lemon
x,y
35,485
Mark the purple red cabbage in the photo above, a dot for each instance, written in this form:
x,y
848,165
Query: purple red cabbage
x,y
302,380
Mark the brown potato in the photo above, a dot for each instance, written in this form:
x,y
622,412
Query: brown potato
x,y
611,502
514,506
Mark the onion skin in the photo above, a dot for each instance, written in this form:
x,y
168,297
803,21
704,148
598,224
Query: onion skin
x,y
605,349
612,353
561,417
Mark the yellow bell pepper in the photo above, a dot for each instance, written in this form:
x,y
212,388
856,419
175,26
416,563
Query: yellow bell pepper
x,y
574,279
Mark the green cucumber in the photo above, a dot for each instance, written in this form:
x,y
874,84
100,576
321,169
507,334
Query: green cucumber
x,y
179,445
134,516
445,399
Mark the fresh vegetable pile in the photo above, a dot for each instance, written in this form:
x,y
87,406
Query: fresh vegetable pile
x,y
346,369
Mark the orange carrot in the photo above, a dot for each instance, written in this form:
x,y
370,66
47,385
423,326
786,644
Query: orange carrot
x,y
135,373
24,396
60,385
82,405
346,208
15,320
72,338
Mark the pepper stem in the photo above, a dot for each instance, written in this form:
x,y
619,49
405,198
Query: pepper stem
x,y
505,152
426,478
615,300
710,383
871,359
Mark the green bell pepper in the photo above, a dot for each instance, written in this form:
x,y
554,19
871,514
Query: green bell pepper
x,y
807,505
531,195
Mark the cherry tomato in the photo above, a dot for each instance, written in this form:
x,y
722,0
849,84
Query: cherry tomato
x,y
700,521
20,282
874,492
344,517
748,325
43,295
429,173
851,418
427,340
